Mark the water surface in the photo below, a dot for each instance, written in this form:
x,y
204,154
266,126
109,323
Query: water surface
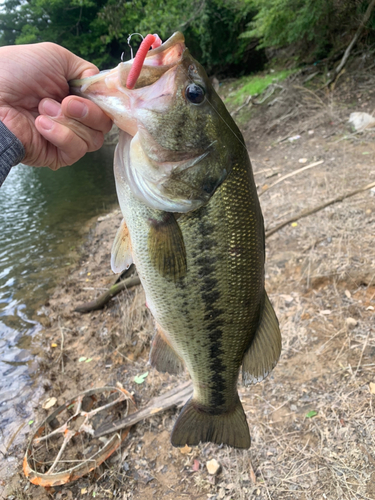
x,y
42,216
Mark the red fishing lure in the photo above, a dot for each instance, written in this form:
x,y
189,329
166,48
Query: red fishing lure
x,y
149,41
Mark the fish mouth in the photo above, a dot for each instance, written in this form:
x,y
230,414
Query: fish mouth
x,y
157,62
108,88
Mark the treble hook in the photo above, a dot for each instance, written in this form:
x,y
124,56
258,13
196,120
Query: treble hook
x,y
131,48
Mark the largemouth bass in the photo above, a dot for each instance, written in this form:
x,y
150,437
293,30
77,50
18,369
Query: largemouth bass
x,y
194,229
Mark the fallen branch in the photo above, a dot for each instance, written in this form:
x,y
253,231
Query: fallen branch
x,y
311,165
175,397
356,37
311,211
246,103
114,290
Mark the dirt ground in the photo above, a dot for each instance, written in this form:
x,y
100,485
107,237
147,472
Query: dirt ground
x,y
312,420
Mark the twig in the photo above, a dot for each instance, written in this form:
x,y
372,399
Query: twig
x,y
311,165
248,100
175,397
114,290
358,33
356,37
308,91
265,484
311,211
61,347
360,359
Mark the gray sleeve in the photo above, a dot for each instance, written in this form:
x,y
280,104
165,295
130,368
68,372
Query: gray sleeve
x,y
11,151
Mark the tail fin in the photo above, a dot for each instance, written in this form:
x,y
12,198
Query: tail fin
x,y
194,425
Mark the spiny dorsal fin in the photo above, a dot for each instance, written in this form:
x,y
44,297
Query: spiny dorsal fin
x,y
264,352
121,256
166,247
163,357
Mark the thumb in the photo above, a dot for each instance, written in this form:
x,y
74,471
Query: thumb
x,y
76,67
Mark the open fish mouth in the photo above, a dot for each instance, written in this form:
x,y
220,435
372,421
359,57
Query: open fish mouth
x,y
157,62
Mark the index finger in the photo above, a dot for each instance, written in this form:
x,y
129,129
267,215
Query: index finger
x,y
86,112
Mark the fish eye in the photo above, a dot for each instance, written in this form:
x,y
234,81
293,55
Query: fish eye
x,y
195,93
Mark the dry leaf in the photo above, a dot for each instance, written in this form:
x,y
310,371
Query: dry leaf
x,y
185,450
372,387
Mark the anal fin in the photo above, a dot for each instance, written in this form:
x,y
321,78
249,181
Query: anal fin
x,y
121,256
166,247
194,425
264,351
163,357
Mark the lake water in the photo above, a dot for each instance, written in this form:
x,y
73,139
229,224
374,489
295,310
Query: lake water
x,y
42,214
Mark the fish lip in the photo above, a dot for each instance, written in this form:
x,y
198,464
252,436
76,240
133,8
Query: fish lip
x,y
79,86
176,38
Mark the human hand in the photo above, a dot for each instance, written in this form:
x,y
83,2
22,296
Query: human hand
x,y
54,129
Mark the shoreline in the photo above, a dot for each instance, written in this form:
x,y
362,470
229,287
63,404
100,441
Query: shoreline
x,y
319,275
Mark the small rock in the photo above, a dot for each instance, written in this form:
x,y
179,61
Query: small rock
x,y
361,121
48,403
348,294
351,322
372,387
213,467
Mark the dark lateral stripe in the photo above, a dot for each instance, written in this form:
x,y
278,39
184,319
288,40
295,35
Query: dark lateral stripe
x,y
210,294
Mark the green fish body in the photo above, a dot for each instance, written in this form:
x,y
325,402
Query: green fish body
x,y
195,233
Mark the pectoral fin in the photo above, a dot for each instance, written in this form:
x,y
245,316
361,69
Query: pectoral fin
x,y
166,247
163,357
264,352
121,256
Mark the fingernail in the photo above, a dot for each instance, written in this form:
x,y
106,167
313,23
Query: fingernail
x,y
46,122
77,109
51,108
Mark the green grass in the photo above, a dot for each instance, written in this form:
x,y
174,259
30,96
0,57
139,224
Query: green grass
x,y
255,84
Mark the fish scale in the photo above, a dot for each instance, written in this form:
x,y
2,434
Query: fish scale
x,y
194,229
222,276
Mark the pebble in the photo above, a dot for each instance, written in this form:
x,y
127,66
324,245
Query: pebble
x,y
351,322
213,467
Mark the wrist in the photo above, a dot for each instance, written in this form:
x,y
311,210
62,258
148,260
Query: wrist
x,y
11,150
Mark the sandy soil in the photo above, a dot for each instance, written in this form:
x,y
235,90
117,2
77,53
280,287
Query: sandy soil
x,y
312,421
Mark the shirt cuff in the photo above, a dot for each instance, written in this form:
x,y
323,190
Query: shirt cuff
x,y
12,151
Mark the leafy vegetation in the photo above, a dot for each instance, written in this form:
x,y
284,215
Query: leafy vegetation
x,y
256,84
99,30
221,34
314,28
